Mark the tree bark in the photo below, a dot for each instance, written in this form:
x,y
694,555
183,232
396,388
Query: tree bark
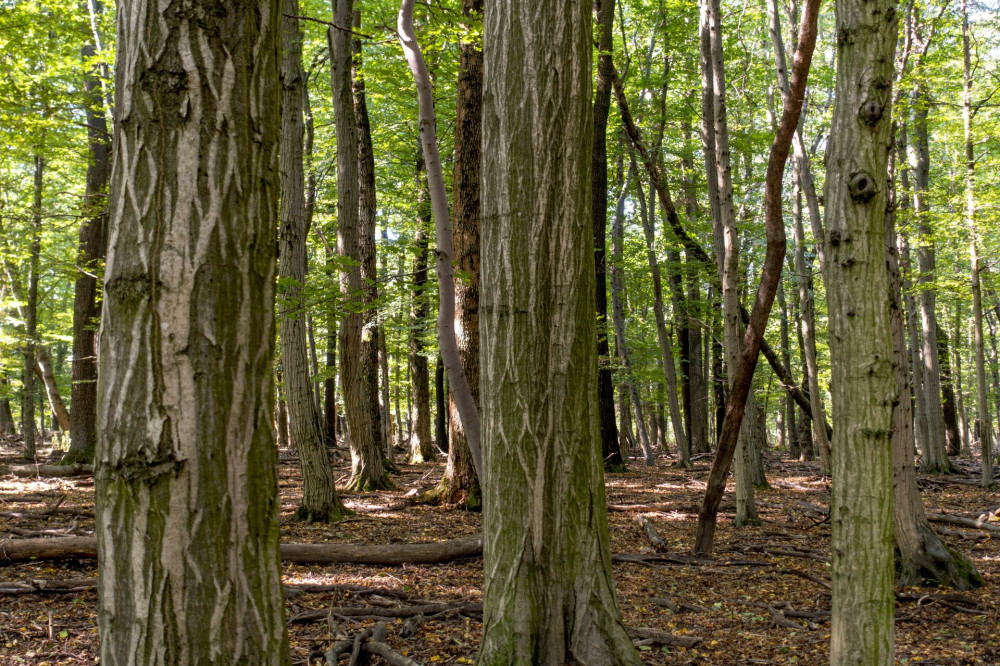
x,y
610,449
549,596
935,459
421,448
368,210
28,425
440,405
90,252
460,484
186,482
953,439
367,468
44,371
864,383
320,502
923,557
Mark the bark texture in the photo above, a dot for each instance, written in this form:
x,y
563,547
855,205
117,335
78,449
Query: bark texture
x,y
367,468
864,383
549,593
186,484
319,492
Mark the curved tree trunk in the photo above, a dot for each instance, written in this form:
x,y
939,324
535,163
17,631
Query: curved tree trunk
x,y
459,482
549,596
186,483
367,469
45,372
319,493
864,382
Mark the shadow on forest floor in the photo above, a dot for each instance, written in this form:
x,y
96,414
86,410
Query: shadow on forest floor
x,y
763,599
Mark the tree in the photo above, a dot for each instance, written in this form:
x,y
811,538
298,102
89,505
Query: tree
x,y
610,450
367,468
319,492
186,484
861,351
549,594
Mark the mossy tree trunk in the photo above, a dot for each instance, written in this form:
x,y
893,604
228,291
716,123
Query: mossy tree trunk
x,y
186,483
549,592
861,348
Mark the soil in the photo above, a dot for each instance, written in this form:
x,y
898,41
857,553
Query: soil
x,y
730,602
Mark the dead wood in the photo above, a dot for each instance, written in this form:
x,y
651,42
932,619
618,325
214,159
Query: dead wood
x,y
38,586
47,471
663,637
367,612
12,550
963,522
654,537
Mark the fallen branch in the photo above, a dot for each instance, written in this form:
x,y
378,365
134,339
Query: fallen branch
x,y
37,586
12,550
654,538
963,522
378,612
663,637
47,471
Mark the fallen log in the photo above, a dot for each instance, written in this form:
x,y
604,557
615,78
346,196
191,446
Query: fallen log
x,y
367,612
663,637
46,471
12,550
964,522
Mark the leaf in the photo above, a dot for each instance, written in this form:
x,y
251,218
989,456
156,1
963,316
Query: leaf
x,y
63,634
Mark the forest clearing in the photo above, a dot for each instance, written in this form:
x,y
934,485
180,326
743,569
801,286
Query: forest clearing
x,y
762,599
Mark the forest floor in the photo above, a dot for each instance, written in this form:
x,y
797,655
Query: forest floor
x,y
731,601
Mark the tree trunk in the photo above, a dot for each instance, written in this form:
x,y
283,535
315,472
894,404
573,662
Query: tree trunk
x,y
186,483
697,367
935,458
367,468
963,415
610,449
786,426
662,336
281,414
330,382
864,383
459,484
549,596
44,371
90,248
7,426
440,402
319,492
923,557
28,425
618,316
979,353
421,448
953,439
368,211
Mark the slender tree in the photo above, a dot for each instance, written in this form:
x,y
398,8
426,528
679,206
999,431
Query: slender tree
x,y
549,593
186,483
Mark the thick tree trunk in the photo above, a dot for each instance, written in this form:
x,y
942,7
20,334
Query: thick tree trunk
x,y
549,596
90,248
864,382
610,449
440,407
319,492
367,468
953,438
459,484
367,213
186,483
